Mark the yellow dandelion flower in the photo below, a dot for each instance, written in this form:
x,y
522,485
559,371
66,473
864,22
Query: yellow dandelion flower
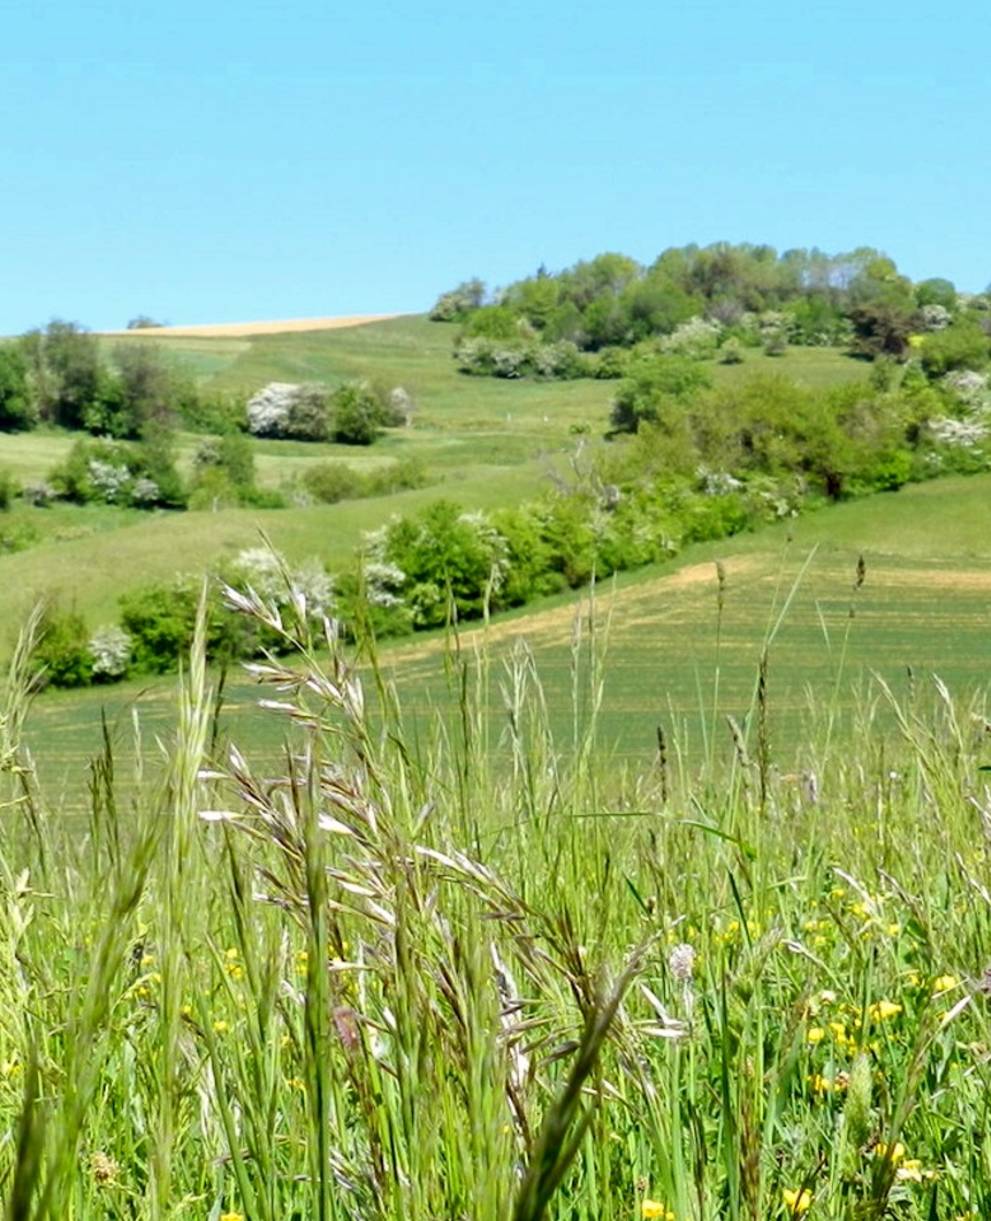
x,y
232,1217
815,1035
232,953
892,929
820,1084
894,1153
945,983
797,1200
220,1026
880,1011
653,1208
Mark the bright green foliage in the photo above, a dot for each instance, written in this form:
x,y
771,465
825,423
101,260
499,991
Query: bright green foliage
x,y
223,471
965,345
17,409
62,656
936,291
654,391
450,560
70,381
355,414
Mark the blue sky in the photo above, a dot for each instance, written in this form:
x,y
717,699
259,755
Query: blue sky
x,y
219,162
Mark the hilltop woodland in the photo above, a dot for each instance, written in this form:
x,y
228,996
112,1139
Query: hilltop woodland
x,y
693,457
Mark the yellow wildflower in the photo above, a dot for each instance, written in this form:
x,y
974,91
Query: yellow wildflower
x,y
945,983
815,1035
653,1208
797,1200
894,1153
220,1026
231,1217
892,929
880,1011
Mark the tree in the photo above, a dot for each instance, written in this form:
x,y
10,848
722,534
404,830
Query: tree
x,y
355,414
69,377
17,409
936,292
654,389
881,328
459,302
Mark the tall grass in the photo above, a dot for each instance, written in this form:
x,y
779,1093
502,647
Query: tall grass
x,y
477,972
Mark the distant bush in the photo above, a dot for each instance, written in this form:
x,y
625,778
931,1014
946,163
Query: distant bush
x,y
62,651
119,473
223,472
330,482
160,620
283,409
654,389
17,408
356,414
965,345
454,305
110,653
211,411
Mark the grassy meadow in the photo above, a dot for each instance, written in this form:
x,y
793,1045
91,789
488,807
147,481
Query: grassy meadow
x,y
388,972
665,900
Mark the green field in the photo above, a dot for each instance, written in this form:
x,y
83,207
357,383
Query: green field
x,y
658,633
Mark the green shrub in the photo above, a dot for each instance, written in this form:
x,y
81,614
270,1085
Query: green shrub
x,y
17,408
965,345
330,482
62,652
355,414
655,389
223,471
160,620
398,476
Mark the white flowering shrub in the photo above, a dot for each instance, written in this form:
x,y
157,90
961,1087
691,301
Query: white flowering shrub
x,y
267,573
935,317
110,648
268,410
697,338
970,387
111,481
145,492
958,433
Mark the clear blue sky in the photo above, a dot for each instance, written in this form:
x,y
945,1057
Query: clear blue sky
x,y
217,162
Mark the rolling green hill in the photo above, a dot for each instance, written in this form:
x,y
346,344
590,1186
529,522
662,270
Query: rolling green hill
x,y
925,607
484,442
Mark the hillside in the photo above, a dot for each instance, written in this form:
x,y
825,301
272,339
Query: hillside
x,y
482,441
658,628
